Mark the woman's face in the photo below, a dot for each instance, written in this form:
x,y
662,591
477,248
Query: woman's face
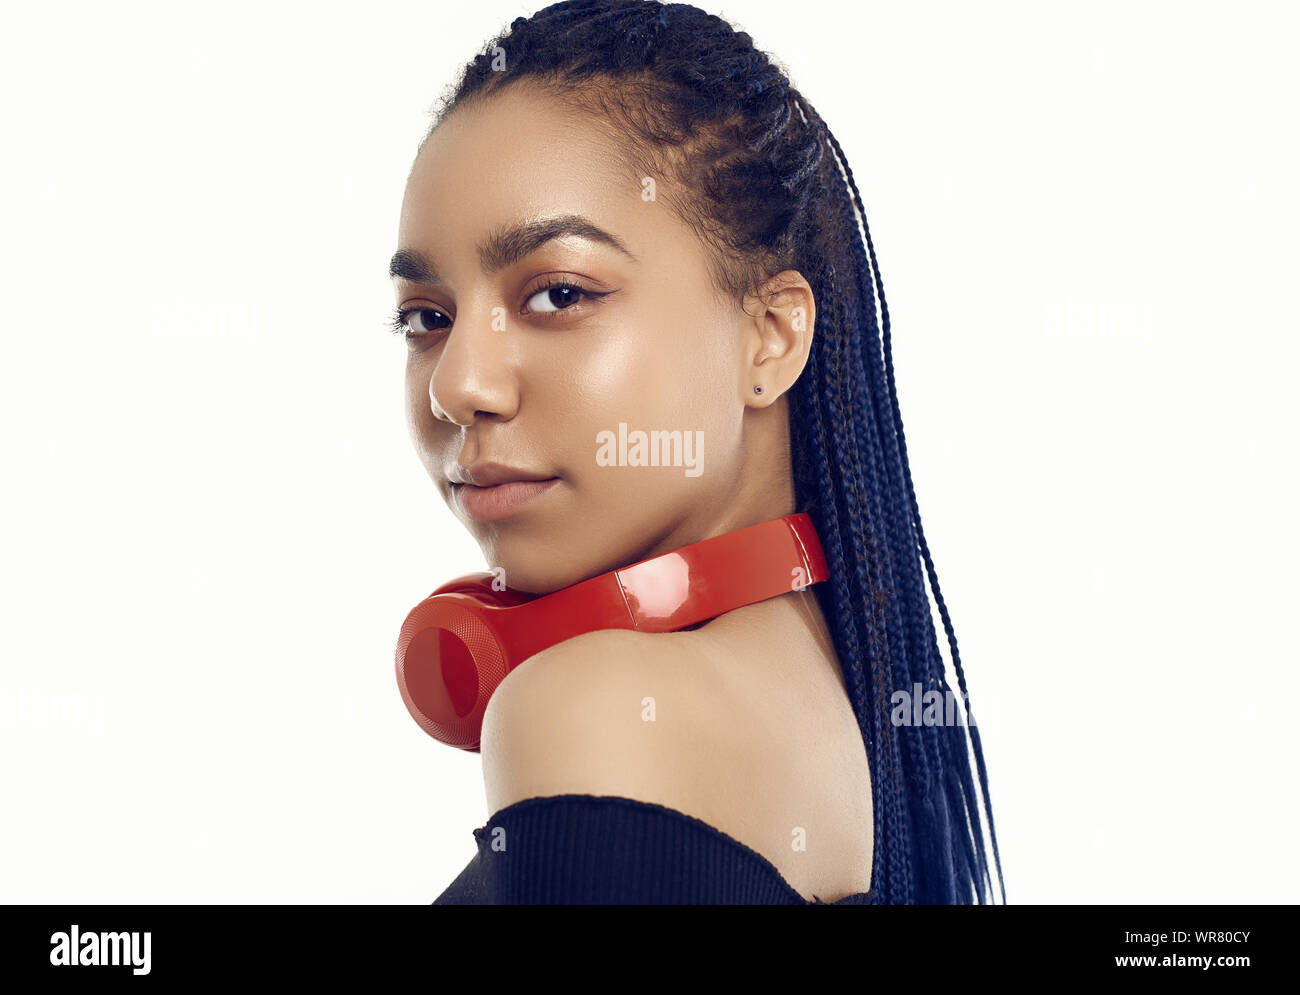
x,y
501,370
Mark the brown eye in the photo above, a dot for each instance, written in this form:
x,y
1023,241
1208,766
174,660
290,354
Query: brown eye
x,y
556,297
414,322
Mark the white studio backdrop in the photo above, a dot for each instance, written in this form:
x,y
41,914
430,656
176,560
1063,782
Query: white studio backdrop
x,y
214,522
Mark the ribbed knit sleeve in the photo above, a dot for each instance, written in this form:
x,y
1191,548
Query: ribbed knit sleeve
x,y
608,850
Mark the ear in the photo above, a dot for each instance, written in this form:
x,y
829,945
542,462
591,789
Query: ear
x,y
778,338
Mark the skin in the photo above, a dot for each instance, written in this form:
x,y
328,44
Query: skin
x,y
660,350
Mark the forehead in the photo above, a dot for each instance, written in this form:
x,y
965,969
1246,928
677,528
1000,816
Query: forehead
x,y
519,154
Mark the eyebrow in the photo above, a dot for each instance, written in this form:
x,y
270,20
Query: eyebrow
x,y
508,245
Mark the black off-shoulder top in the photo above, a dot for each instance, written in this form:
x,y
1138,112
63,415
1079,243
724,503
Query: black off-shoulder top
x,y
576,849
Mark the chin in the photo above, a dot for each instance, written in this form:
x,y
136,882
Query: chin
x,y
536,579
531,563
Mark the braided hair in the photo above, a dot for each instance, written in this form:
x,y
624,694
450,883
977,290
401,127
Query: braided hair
x,y
763,182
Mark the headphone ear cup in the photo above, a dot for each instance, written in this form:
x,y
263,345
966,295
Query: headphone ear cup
x,y
449,661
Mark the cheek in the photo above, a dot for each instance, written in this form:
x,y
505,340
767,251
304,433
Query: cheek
x,y
672,380
420,422
418,412
645,380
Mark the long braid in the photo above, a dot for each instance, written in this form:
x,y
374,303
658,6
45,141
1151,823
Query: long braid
x,y
952,755
899,861
912,664
892,862
768,187
874,557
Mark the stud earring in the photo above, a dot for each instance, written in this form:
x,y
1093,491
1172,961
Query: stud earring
x,y
758,390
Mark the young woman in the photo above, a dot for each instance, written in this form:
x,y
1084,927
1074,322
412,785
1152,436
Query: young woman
x,y
624,218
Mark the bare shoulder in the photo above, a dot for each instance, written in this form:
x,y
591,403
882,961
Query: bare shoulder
x,y
673,718
608,712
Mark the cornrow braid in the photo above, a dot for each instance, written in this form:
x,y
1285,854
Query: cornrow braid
x,y
760,178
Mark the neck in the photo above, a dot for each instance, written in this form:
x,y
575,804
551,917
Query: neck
x,y
790,626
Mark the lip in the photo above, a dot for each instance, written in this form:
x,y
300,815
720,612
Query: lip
x,y
491,504
488,474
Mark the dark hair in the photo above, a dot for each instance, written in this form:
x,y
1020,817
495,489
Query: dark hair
x,y
761,179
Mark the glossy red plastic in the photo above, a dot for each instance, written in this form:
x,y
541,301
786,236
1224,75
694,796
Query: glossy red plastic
x,y
458,644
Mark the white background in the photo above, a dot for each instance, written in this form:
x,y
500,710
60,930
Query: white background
x,y
214,521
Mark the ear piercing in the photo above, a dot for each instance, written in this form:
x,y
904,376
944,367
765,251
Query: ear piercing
x,y
758,390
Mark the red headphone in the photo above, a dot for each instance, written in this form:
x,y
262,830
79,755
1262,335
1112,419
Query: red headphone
x,y
458,644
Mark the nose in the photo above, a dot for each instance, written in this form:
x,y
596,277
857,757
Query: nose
x,y
474,375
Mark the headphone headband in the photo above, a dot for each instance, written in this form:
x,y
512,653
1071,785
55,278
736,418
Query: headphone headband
x,y
460,643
